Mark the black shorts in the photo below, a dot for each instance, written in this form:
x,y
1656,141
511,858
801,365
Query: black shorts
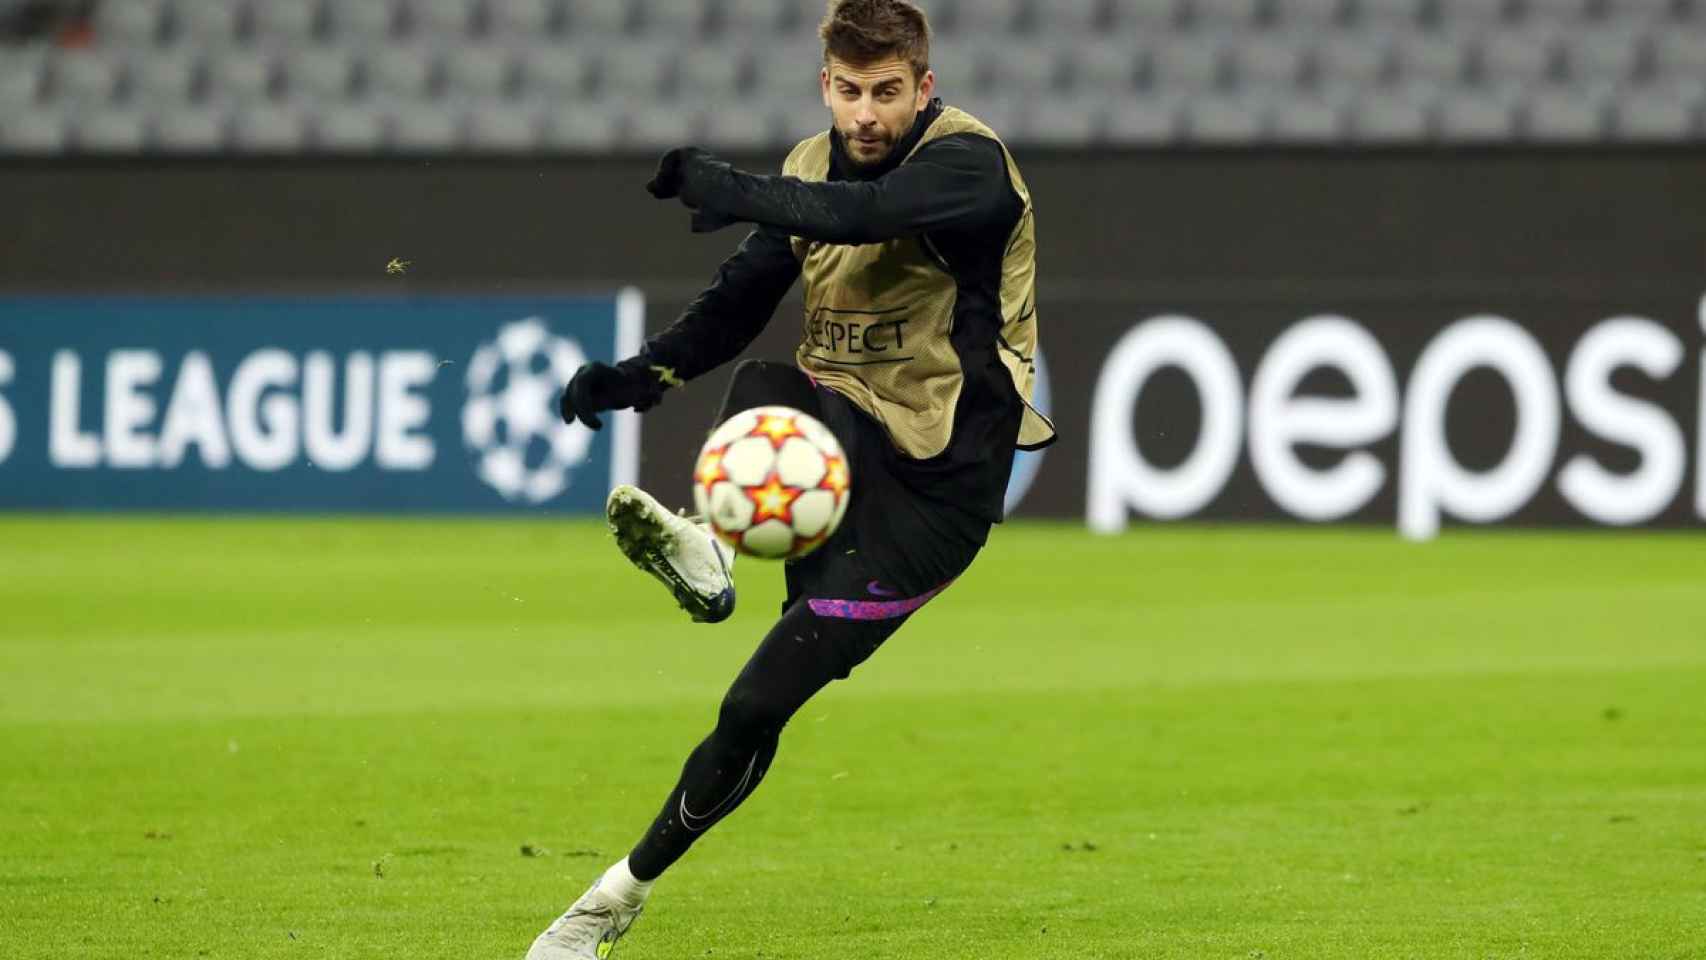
x,y
895,549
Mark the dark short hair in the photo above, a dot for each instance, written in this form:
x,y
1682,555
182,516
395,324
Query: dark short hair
x,y
867,31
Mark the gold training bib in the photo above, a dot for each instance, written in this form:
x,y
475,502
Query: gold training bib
x,y
878,316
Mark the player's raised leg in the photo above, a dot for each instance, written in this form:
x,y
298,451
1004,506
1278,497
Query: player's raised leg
x,y
763,383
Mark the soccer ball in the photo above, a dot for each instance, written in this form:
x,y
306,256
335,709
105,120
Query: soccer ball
x,y
772,482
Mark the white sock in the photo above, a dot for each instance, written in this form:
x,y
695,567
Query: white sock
x,y
620,882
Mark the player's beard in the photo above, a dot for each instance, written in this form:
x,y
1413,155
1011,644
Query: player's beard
x,y
874,153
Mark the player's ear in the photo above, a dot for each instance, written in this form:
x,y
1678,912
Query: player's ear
x,y
926,87
823,84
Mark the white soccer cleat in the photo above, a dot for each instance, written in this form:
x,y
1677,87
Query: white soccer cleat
x,y
588,931
683,555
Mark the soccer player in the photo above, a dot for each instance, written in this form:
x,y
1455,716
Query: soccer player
x,y
913,231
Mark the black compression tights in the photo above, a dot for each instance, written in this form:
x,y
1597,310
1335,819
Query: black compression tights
x,y
802,653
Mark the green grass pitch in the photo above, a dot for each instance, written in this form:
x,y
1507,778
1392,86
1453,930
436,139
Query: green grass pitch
x,y
332,738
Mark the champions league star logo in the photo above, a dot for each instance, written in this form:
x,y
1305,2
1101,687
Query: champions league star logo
x,y
521,448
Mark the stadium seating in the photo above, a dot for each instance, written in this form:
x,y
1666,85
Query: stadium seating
x,y
1390,116
523,19
348,128
517,75
191,130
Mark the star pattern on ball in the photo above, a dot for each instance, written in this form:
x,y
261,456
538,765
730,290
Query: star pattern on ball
x,y
711,468
774,500
777,429
834,476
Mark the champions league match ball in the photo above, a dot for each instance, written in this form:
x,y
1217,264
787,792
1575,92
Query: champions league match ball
x,y
772,482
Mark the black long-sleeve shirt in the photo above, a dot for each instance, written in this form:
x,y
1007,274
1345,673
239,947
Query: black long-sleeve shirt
x,y
953,185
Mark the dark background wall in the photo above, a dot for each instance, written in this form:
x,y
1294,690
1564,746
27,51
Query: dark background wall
x,y
1249,241
1178,224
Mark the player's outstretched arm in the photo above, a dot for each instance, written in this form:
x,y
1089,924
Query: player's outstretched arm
x,y
713,330
733,310
959,181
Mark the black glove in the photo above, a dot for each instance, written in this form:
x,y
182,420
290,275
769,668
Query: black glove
x,y
597,387
666,184
676,177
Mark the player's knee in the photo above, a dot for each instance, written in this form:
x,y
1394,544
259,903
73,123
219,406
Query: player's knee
x,y
749,717
751,385
756,380
749,368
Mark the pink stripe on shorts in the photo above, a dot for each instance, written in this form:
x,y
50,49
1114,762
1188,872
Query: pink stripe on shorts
x,y
872,609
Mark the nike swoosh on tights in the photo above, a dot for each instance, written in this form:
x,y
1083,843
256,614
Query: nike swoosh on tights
x,y
878,590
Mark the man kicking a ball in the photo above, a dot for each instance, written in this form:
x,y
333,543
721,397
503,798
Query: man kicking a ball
x,y
913,230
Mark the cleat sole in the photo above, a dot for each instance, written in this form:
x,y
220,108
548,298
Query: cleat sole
x,y
647,543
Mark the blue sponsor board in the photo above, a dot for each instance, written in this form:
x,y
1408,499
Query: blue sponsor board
x,y
432,404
